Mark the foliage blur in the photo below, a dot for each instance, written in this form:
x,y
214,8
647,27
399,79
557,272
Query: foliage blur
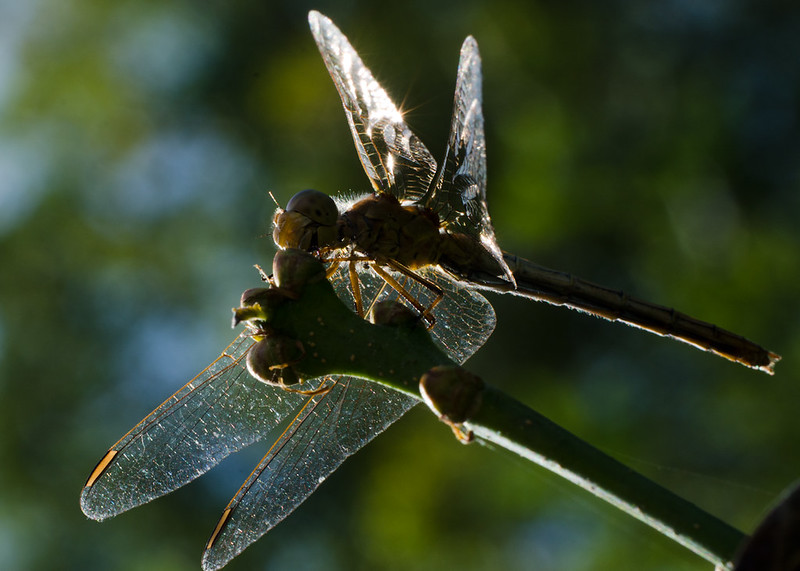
x,y
646,146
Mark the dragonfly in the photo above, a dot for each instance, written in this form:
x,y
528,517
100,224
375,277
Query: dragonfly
x,y
424,223
225,408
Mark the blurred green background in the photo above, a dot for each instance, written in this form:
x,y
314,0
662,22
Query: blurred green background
x,y
647,146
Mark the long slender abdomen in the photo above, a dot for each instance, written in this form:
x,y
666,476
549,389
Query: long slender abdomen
x,y
560,288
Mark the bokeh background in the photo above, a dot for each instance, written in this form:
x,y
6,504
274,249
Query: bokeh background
x,y
648,146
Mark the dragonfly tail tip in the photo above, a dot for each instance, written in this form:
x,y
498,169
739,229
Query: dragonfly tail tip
x,y
769,368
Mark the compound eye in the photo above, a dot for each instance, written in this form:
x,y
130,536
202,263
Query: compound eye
x,y
314,205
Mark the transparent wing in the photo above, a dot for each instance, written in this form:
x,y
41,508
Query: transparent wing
x,y
459,194
464,318
394,158
333,426
327,430
220,411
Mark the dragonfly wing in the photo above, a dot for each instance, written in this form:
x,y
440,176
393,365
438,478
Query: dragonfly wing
x,y
459,195
220,411
464,318
328,429
394,158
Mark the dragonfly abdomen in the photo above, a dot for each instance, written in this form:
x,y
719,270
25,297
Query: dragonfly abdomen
x,y
565,289
561,288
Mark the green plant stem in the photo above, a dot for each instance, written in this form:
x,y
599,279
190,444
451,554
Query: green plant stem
x,y
510,424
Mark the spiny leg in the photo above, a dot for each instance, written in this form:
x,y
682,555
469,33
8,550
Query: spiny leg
x,y
398,288
356,288
377,297
279,381
321,389
437,291
265,277
352,260
355,285
331,269
425,313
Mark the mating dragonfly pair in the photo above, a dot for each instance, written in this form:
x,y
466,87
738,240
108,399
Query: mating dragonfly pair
x,y
424,236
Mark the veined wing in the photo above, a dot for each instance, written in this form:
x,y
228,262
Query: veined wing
x,y
459,194
464,318
332,426
220,411
328,429
394,158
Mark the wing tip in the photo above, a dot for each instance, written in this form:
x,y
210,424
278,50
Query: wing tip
x,y
90,508
314,17
315,21
469,48
87,506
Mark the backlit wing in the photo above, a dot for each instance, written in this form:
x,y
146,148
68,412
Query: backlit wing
x,y
220,411
459,194
464,318
394,158
328,429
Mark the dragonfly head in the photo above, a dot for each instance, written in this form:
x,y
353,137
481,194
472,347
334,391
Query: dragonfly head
x,y
308,222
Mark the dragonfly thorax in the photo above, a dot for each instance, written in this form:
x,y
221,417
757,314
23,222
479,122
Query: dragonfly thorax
x,y
381,228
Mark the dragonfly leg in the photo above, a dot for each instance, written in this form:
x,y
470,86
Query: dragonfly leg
x,y
355,285
377,297
265,277
331,268
356,288
425,312
321,389
464,437
279,381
